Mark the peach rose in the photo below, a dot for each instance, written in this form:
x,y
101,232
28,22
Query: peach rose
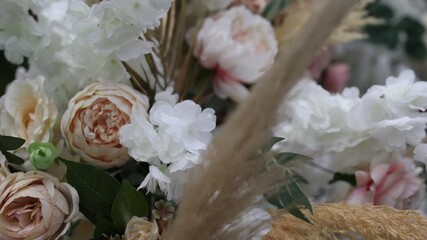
x,y
26,111
35,205
93,119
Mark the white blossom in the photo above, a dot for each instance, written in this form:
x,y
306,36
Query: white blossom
x,y
345,131
171,141
70,43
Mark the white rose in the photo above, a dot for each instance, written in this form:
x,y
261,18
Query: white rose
x,y
240,46
26,111
94,118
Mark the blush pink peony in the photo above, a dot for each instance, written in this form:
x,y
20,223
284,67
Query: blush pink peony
x,y
240,46
393,184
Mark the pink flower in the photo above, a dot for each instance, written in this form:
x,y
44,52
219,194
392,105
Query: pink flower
x,y
256,6
394,184
336,77
320,62
240,46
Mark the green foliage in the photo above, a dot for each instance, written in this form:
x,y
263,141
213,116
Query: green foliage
x,y
393,33
96,188
12,158
104,226
7,73
9,144
349,178
273,8
128,203
291,198
103,200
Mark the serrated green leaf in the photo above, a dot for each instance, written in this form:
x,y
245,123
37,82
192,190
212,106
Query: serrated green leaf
x,y
104,226
299,196
128,203
96,188
349,178
12,158
8,143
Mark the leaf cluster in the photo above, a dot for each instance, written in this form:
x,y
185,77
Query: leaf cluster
x,y
8,144
106,202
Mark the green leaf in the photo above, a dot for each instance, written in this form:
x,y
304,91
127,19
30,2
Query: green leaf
x,y
104,226
291,206
299,196
273,8
272,142
90,215
291,197
128,203
350,178
96,188
10,143
286,158
12,158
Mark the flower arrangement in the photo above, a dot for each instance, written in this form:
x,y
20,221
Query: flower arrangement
x,y
162,119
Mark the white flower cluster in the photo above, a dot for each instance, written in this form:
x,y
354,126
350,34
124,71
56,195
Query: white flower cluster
x,y
70,43
352,130
170,140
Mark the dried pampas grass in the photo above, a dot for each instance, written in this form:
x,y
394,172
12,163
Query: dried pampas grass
x,y
343,220
227,185
290,22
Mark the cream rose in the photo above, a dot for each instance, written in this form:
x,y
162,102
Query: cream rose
x,y
141,229
93,119
240,46
35,205
26,111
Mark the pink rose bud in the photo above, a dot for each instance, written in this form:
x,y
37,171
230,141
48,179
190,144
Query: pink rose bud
x,y
320,62
256,6
336,77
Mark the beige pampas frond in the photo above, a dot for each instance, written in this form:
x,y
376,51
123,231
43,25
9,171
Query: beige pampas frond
x,y
297,14
227,185
344,220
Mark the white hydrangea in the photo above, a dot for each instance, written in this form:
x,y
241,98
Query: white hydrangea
x,y
344,130
318,120
171,141
71,43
